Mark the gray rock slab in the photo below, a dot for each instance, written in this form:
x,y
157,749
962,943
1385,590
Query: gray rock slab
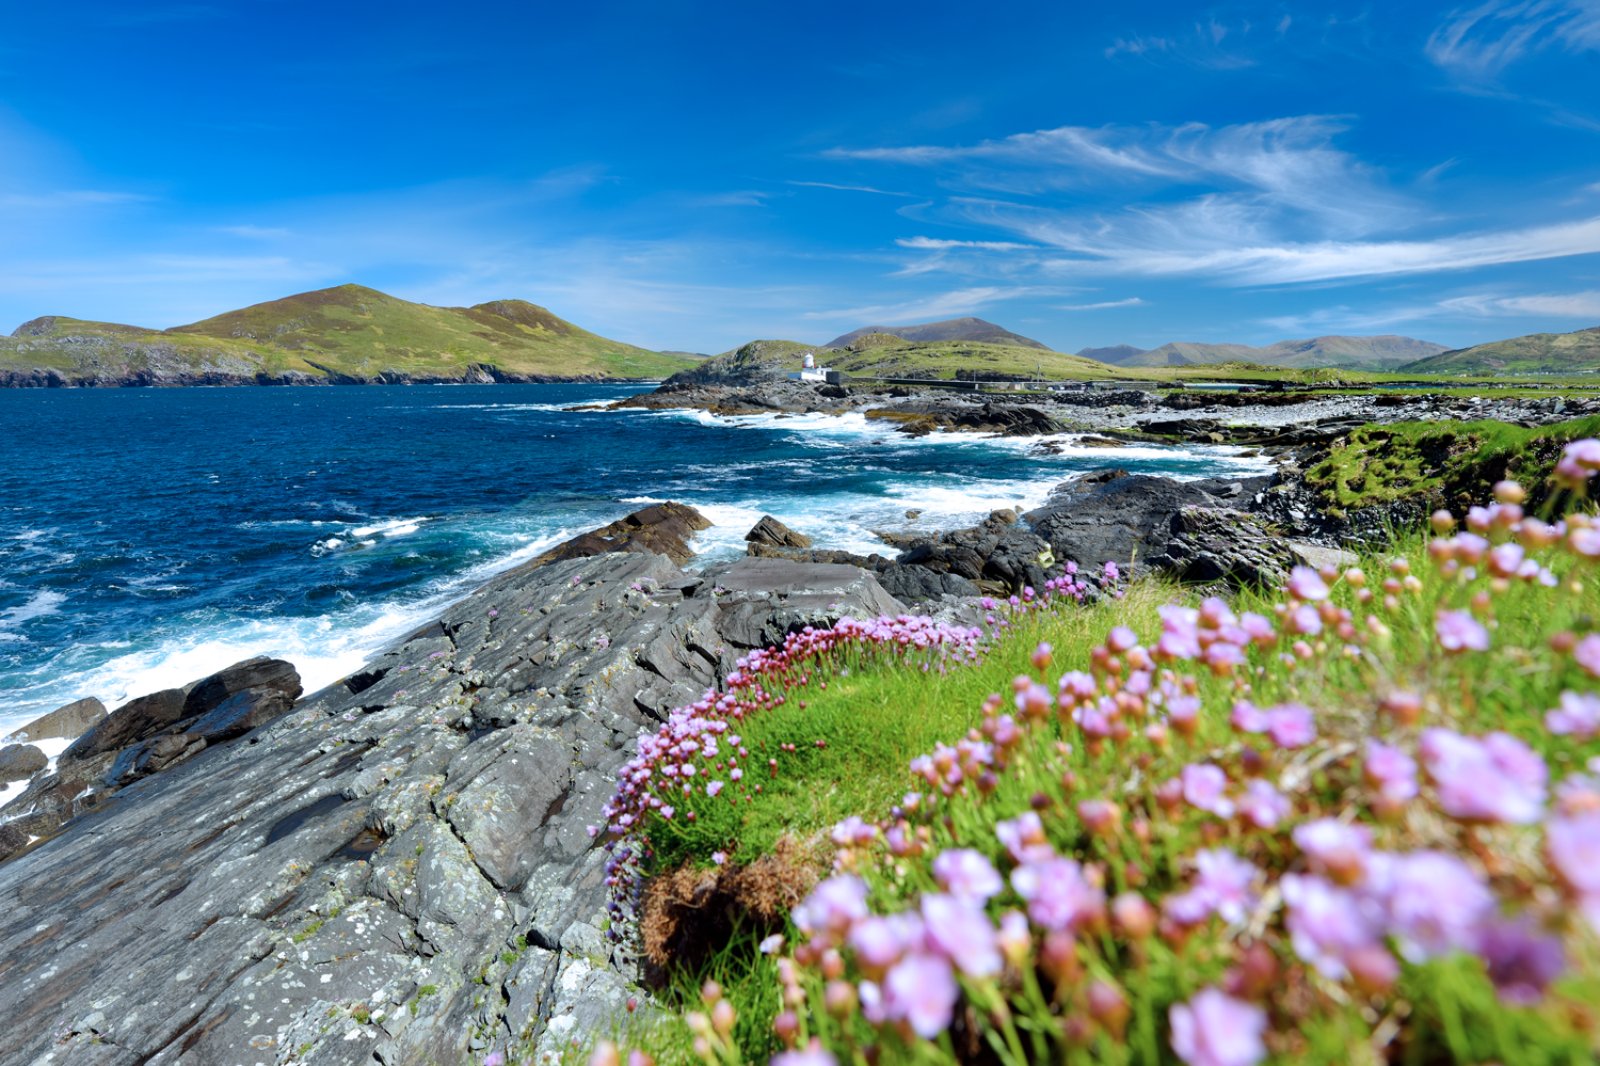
x,y
63,723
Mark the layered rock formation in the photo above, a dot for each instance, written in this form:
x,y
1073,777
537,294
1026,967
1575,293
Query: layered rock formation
x,y
398,869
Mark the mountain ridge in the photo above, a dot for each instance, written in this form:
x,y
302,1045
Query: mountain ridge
x,y
967,328
344,334
1576,352
1383,351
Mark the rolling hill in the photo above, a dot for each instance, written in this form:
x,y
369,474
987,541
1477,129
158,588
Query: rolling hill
x,y
1386,352
348,334
887,356
1536,353
953,329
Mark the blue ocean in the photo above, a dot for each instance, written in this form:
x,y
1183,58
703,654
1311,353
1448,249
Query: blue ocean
x,y
150,536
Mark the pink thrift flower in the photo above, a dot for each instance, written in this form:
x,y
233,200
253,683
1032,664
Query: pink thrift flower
x,y
1057,894
967,874
713,787
1572,846
1023,836
832,906
1458,631
1338,849
1521,961
1262,805
1223,881
1587,654
1497,778
922,990
1214,1029
1306,584
813,1054
1328,924
960,931
1291,725
1577,717
1391,771
1435,903
1205,788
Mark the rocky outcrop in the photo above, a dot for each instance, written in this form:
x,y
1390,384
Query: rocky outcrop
x,y
63,723
1225,546
399,869
1114,516
18,762
998,555
771,533
663,528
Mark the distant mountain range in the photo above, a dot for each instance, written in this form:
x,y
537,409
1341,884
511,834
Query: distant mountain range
x,y
1385,352
1536,353
951,329
345,334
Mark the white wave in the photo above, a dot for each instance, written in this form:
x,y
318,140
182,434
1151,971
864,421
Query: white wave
x,y
323,648
41,603
396,527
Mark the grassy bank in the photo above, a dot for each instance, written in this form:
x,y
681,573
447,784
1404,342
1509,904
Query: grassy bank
x,y
1169,826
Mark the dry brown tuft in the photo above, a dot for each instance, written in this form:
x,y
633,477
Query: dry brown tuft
x,y
689,914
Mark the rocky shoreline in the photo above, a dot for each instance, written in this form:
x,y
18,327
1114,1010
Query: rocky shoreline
x,y
398,868
182,377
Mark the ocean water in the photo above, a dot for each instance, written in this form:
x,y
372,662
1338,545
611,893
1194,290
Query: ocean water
x,y
148,537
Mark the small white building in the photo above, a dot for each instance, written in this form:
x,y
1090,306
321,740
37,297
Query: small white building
x,y
812,374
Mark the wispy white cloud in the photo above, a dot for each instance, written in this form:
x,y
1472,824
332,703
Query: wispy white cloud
x,y
1213,43
736,198
1103,305
940,244
1585,305
1480,42
1149,251
1288,164
848,188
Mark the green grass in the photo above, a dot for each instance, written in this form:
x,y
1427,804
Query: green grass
x,y
876,716
1449,464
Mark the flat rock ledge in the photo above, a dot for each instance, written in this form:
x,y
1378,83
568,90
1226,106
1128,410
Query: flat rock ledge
x,y
398,870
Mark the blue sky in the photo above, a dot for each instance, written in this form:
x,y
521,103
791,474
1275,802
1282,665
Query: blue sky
x,y
693,175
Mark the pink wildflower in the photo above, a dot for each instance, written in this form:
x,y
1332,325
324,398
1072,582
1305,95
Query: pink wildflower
x,y
1587,654
813,1054
1496,778
962,933
1434,902
1577,717
921,989
1392,772
1338,849
1214,1029
1306,584
967,874
1328,924
1058,895
1291,725
832,906
1262,805
1205,788
1458,631
1521,961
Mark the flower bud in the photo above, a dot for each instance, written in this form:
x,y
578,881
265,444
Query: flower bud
x,y
723,1017
1109,1007
1132,916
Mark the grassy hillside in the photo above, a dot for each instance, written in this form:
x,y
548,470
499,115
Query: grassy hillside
x,y
1336,822
1370,353
344,333
1537,353
953,329
884,355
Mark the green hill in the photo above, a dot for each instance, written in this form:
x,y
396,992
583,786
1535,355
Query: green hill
x,y
345,334
1385,352
951,329
887,356
1537,353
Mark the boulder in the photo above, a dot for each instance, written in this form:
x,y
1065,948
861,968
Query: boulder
x,y
18,762
1112,515
63,723
134,721
918,584
998,553
242,712
662,528
772,533
1230,547
12,840
759,601
261,675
